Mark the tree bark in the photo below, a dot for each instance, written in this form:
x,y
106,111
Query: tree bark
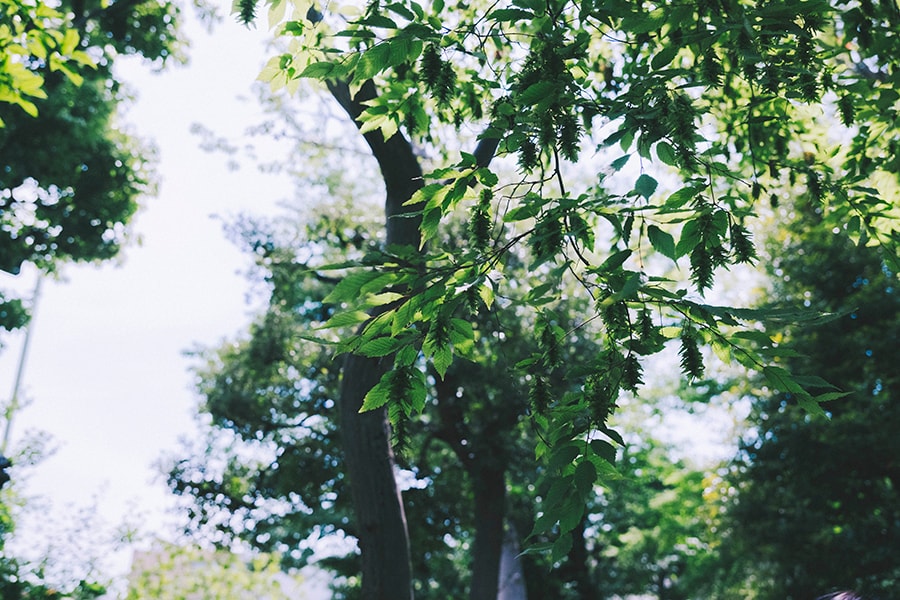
x,y
378,507
489,485
512,576
365,437
383,535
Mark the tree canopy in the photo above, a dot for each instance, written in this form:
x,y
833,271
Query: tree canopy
x,y
71,175
817,501
709,111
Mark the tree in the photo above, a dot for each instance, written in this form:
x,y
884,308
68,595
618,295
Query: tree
x,y
269,473
274,392
731,95
173,571
71,177
817,502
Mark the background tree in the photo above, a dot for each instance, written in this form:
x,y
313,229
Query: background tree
x,y
270,474
726,93
173,571
71,177
817,504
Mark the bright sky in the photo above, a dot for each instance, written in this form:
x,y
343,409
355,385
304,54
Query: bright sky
x,y
105,375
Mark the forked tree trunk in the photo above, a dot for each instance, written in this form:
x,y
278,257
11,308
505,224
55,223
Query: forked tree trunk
x,y
381,521
366,439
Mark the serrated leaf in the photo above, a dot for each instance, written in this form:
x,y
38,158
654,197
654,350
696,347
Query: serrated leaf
x,y
666,153
346,319
690,238
563,456
371,62
645,185
317,70
442,358
620,162
383,298
571,514
349,288
615,261
381,346
604,450
664,57
585,476
509,14
681,197
536,92
662,242
379,395
520,213
406,355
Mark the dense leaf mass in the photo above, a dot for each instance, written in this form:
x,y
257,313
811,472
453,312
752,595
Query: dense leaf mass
x,y
818,498
694,118
71,178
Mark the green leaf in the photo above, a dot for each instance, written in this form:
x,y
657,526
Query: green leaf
x,y
406,355
662,242
510,14
604,450
318,70
563,456
617,164
350,287
664,57
690,238
442,358
379,395
346,319
537,92
615,261
561,547
645,185
371,62
666,153
520,213
379,347
585,476
681,197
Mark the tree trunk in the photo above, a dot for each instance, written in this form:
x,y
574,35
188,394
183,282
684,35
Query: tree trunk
x,y
578,564
378,507
489,485
512,577
381,521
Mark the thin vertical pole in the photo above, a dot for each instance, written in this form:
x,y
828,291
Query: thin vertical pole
x,y
14,404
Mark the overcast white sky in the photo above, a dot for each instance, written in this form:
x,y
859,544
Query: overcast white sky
x,y
105,375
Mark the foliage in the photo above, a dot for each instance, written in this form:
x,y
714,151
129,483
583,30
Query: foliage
x,y
173,571
32,34
71,176
41,578
655,528
728,98
817,502
270,473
